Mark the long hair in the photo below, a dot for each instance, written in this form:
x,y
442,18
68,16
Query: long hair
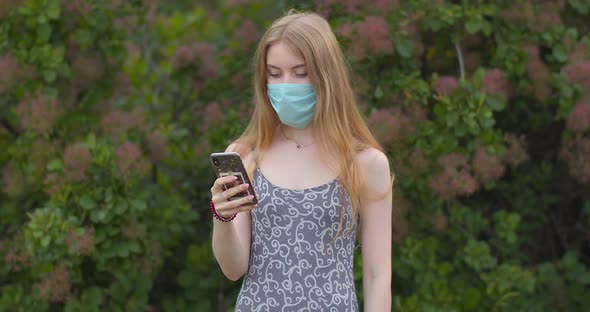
x,y
337,123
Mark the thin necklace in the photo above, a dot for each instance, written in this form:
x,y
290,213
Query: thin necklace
x,y
296,144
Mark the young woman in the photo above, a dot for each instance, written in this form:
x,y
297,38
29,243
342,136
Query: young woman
x,y
319,176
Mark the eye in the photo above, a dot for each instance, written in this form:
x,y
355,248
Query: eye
x,y
302,75
274,75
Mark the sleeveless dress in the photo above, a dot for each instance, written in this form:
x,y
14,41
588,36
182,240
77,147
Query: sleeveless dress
x,y
297,263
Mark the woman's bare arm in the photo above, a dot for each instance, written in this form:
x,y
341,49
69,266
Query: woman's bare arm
x,y
375,213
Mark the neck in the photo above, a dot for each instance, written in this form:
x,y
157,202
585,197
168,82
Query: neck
x,y
300,137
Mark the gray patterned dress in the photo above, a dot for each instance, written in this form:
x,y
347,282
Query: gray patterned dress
x,y
295,262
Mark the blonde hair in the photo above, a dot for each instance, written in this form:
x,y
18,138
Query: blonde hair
x,y
337,123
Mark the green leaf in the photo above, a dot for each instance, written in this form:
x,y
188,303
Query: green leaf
x,y
49,75
473,26
378,92
45,241
471,299
121,207
55,165
84,37
404,47
53,11
87,203
560,53
134,246
92,296
138,205
582,6
101,215
108,196
495,102
122,250
185,279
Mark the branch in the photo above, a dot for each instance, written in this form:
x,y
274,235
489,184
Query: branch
x,y
460,57
9,127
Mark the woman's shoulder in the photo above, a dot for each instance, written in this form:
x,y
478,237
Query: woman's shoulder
x,y
241,148
374,170
373,161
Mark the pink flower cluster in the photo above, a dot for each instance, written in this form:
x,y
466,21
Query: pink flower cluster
x,y
545,17
247,34
495,82
77,159
16,257
460,177
578,72
579,118
577,53
445,85
13,180
548,16
8,71
486,167
128,159
516,150
392,127
156,143
153,258
7,5
87,69
575,153
132,229
368,37
455,179
200,54
538,72
521,12
82,7
212,115
352,7
439,222
41,151
82,244
373,37
120,121
400,223
52,183
55,287
39,114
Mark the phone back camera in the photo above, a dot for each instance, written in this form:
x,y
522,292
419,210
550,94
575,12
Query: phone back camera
x,y
216,162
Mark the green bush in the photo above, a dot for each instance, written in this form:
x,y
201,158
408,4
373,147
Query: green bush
x,y
109,109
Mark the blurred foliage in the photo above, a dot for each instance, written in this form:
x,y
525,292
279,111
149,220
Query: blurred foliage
x,y
109,109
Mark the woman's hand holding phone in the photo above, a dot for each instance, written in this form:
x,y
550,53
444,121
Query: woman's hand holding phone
x,y
220,197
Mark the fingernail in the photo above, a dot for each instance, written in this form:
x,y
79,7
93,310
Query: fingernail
x,y
233,178
245,185
250,197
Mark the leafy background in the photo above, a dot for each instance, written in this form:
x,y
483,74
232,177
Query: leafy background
x,y
109,109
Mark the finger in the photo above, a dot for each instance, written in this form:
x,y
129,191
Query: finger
x,y
219,182
231,192
232,207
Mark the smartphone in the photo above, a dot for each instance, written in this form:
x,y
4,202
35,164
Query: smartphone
x,y
230,163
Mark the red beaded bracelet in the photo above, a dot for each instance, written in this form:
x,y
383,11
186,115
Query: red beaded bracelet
x,y
217,216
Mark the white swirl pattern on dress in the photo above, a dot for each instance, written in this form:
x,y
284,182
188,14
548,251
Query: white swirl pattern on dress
x,y
296,263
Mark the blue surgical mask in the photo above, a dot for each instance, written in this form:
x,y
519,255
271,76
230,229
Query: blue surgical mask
x,y
293,102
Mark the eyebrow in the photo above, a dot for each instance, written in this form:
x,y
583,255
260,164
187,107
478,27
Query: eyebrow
x,y
294,67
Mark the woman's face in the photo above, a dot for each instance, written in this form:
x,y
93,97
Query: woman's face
x,y
282,66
